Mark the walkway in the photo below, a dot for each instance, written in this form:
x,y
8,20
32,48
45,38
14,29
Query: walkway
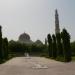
x,y
36,66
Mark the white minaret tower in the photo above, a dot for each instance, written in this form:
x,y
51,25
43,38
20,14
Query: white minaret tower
x,y
57,29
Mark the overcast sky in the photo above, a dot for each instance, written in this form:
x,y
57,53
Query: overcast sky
x,y
36,17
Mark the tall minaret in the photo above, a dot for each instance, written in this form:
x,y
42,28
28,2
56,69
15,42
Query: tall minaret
x,y
57,29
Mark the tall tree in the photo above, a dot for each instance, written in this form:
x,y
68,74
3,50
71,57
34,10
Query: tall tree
x,y
73,48
49,45
1,53
54,46
45,41
5,48
66,45
59,45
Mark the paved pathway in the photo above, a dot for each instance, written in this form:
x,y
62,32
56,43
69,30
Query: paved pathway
x,y
36,66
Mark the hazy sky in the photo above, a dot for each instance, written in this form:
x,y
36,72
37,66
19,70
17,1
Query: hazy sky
x,y
36,17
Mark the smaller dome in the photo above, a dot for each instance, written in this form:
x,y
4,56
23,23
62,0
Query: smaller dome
x,y
38,42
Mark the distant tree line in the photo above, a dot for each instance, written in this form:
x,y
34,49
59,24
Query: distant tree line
x,y
21,48
59,46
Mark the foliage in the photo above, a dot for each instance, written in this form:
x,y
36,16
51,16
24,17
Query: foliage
x,y
66,45
17,47
5,48
73,48
1,53
49,45
54,46
59,45
73,58
21,48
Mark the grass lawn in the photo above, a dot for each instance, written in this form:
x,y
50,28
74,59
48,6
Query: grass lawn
x,y
73,58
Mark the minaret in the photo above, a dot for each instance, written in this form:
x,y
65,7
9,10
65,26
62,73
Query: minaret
x,y
57,29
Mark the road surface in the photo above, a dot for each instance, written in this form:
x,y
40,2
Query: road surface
x,y
36,66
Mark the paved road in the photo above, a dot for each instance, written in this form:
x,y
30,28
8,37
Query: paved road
x,y
36,66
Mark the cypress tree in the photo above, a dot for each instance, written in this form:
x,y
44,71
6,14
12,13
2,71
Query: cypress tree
x,y
1,53
54,46
66,45
5,48
59,45
49,45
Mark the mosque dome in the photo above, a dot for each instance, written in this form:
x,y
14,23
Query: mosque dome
x,y
25,38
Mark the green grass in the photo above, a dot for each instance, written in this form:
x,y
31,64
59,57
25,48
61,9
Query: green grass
x,y
60,58
73,58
